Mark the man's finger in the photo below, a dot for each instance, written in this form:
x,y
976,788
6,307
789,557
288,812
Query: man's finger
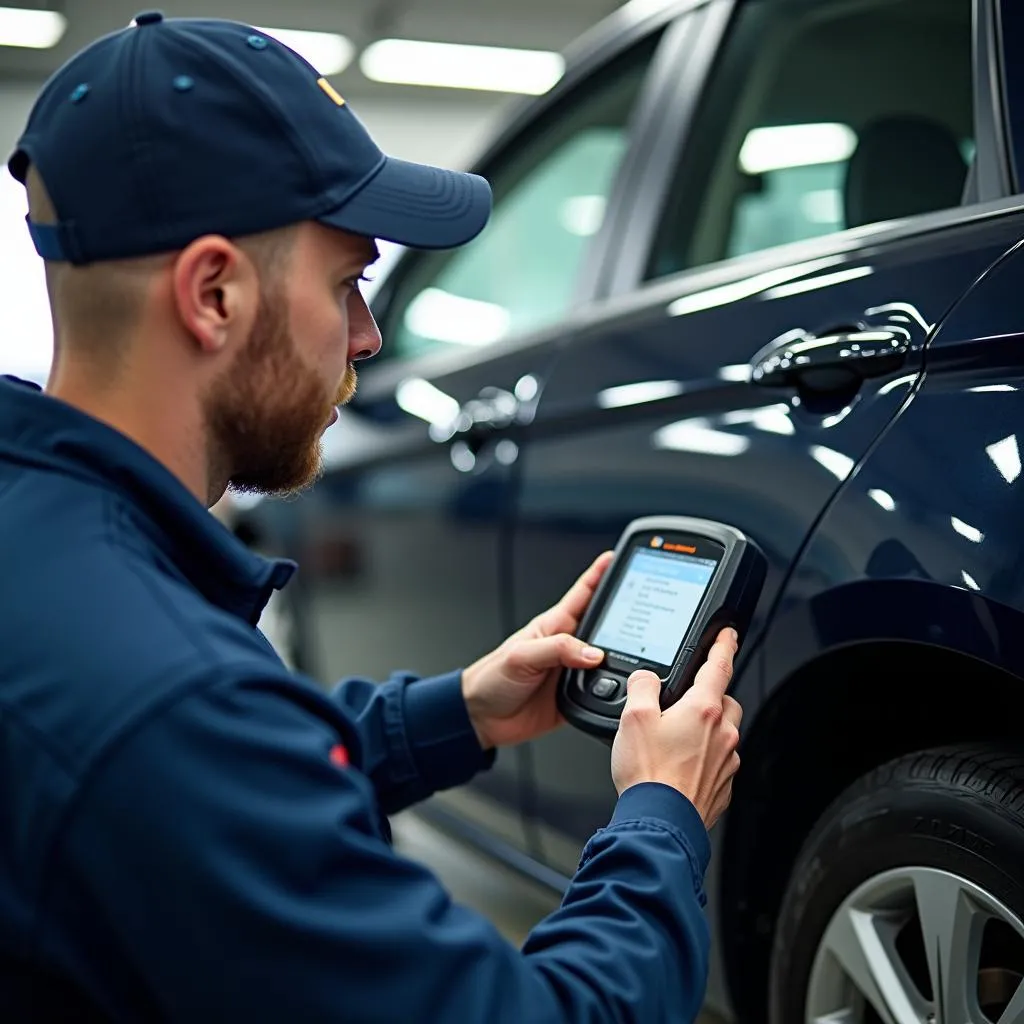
x,y
729,636
643,696
732,710
576,599
542,653
714,676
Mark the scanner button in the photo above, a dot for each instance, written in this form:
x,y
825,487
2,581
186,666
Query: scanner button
x,y
605,689
618,665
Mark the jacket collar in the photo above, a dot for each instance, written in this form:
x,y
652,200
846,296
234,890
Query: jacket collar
x,y
39,430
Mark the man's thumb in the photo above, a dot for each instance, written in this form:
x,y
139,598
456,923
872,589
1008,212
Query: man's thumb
x,y
643,693
539,653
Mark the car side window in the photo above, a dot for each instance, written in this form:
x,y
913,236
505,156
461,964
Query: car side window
x,y
822,115
1011,32
550,190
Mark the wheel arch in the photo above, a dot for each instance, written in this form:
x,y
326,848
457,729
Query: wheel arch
x,y
859,675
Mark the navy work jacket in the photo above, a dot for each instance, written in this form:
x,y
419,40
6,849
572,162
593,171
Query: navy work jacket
x,y
190,832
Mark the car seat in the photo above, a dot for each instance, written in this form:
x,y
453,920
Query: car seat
x,y
902,166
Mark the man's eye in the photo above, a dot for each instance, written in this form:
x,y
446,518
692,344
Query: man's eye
x,y
353,283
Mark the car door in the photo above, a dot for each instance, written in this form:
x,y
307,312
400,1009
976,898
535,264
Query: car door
x,y
777,277
421,464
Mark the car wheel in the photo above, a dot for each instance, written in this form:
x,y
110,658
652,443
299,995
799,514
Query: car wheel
x,y
906,904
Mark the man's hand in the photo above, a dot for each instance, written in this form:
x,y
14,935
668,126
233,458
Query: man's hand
x,y
510,693
692,745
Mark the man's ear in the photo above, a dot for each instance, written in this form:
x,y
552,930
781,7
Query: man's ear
x,y
216,292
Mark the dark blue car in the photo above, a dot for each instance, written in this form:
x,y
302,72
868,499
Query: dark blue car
x,y
756,261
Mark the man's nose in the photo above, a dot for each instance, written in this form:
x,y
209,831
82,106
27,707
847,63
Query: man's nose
x,y
363,334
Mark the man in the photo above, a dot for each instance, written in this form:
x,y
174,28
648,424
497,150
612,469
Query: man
x,y
189,832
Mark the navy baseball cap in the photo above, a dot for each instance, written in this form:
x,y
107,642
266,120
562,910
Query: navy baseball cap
x,y
175,128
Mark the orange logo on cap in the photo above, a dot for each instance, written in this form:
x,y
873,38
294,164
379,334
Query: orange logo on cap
x,y
331,91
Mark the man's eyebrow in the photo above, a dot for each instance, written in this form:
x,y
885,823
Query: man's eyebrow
x,y
366,258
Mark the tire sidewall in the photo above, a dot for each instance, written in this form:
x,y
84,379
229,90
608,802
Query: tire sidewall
x,y
922,824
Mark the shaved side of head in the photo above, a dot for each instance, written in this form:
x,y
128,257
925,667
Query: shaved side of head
x,y
94,307
97,307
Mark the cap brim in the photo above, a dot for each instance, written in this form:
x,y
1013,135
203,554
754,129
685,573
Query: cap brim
x,y
416,205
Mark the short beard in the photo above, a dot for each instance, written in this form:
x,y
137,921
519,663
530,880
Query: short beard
x,y
267,412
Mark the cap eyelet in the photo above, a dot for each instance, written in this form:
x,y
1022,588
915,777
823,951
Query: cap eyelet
x,y
79,93
257,42
183,83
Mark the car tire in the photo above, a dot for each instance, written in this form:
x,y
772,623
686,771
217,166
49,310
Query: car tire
x,y
906,903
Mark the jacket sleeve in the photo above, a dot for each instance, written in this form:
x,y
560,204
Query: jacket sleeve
x,y
236,873
415,734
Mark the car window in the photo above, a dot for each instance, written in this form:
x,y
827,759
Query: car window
x,y
1011,32
822,115
550,191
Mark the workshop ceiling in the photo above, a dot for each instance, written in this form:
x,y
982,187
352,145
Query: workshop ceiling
x,y
528,24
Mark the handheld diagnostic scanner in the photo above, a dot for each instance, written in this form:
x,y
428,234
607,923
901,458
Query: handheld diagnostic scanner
x,y
673,585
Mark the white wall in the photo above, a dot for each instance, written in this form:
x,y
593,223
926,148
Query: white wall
x,y
429,129
25,334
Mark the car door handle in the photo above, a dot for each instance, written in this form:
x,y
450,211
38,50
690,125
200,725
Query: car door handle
x,y
832,361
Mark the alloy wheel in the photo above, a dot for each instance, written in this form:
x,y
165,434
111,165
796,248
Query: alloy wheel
x,y
919,946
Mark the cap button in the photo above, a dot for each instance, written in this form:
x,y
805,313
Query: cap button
x,y
149,18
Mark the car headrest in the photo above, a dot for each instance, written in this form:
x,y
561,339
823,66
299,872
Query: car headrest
x,y
903,166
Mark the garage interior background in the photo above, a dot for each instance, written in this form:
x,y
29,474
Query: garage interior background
x,y
351,43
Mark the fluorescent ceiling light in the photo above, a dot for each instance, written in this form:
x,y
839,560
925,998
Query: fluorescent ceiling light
x,y
442,316
328,52
458,66
796,145
969,580
37,30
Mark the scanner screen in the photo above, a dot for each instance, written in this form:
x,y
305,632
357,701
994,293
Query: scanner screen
x,y
654,603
